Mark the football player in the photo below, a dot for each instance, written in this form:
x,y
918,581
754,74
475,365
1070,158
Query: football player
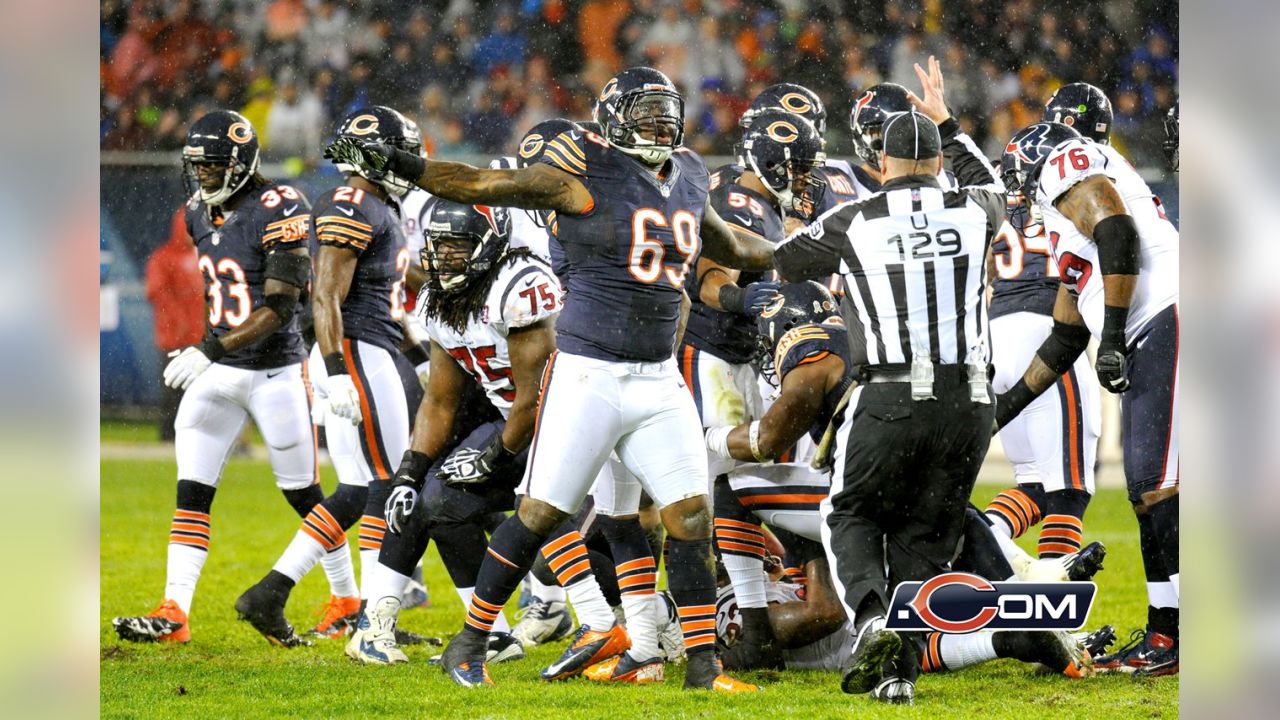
x,y
251,238
632,214
1171,137
357,311
1117,256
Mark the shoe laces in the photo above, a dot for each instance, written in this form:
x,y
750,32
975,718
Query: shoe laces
x,y
537,609
1136,639
330,612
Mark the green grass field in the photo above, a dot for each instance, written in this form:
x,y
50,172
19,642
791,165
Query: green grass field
x,y
228,670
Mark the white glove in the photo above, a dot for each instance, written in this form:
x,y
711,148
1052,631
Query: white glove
x,y
343,399
424,373
400,507
185,367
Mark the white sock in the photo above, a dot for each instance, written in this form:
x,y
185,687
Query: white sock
x,y
589,604
340,571
1162,594
302,554
368,561
499,625
1016,556
385,582
747,576
962,651
182,572
642,623
1177,593
546,593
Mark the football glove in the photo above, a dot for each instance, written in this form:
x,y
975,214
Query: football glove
x,y
1110,366
467,466
404,490
342,398
370,156
185,367
759,295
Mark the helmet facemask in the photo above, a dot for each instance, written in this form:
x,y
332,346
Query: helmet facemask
x,y
236,173
659,114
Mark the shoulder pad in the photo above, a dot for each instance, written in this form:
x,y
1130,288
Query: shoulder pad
x,y
341,220
1068,164
567,151
804,344
525,292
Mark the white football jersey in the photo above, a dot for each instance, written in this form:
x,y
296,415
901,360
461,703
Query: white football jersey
x,y
413,211
524,292
827,653
1077,255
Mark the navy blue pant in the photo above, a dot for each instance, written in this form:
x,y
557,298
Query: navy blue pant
x,y
1149,409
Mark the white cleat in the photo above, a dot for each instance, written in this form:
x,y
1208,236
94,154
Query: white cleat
x,y
1046,570
374,640
670,637
542,622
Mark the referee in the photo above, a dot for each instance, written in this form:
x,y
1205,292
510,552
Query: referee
x,y
914,433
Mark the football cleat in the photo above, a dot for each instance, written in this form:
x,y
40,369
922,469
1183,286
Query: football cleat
x,y
622,669
1056,650
404,637
542,622
463,660
1097,642
1146,650
874,647
706,673
1086,562
338,617
166,623
415,596
374,639
894,691
263,608
503,647
670,636
588,648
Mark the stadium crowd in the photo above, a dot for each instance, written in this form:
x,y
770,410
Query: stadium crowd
x,y
476,73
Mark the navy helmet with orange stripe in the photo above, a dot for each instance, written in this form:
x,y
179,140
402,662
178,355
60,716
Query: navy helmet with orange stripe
x,y
782,149
382,124
462,243
798,304
642,114
791,97
219,156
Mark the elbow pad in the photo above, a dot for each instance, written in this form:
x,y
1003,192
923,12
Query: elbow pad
x,y
283,305
1063,346
288,268
1118,245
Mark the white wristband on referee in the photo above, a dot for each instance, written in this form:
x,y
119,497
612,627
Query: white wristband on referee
x,y
718,441
753,437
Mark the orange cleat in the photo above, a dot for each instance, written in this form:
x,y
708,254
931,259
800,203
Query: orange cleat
x,y
338,617
166,623
725,684
623,669
588,648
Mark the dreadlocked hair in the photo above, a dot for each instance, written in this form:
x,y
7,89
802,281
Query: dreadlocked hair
x,y
456,309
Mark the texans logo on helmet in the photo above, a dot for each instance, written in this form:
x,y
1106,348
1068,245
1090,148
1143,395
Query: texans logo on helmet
x,y
240,132
796,103
363,125
782,131
491,214
863,102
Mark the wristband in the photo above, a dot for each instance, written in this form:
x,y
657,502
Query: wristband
x,y
335,364
413,468
753,437
213,348
1012,402
1113,321
948,128
733,298
718,441
406,165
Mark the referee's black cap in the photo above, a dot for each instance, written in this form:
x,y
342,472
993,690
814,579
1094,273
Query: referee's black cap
x,y
911,136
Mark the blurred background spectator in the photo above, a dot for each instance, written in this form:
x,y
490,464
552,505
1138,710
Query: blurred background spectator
x,y
175,289
476,73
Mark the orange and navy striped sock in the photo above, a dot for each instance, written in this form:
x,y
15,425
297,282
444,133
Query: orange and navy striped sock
x,y
931,658
511,552
742,550
190,529
1015,511
1060,535
188,541
693,587
567,557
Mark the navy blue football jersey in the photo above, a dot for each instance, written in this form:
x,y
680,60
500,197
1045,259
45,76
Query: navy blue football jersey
x,y
731,336
1026,276
624,261
350,218
233,250
811,343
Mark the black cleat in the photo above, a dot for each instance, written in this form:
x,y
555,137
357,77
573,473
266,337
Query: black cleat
x,y
894,691
1056,650
1085,562
503,647
404,637
1153,653
874,648
463,659
263,608
1097,642
756,648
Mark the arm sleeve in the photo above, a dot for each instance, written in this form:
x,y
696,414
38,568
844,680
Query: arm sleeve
x,y
1068,164
816,250
977,179
288,219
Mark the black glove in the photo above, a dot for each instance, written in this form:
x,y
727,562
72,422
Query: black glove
x,y
750,300
1113,351
375,158
404,490
467,466
1012,402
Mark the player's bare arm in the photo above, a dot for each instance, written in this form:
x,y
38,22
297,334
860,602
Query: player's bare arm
x,y
796,624
529,348
1087,205
685,306
434,420
335,268
415,277
281,298
712,278
736,249
1057,353
791,416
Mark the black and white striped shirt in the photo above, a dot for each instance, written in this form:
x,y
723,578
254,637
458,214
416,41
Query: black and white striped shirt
x,y
913,261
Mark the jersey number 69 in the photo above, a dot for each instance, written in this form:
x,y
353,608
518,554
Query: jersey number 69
x,y
646,257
